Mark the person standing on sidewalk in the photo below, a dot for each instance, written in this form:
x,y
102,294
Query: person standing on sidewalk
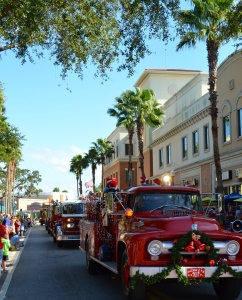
x,y
6,222
5,251
17,226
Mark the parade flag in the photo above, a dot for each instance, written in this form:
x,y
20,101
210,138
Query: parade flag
x,y
89,184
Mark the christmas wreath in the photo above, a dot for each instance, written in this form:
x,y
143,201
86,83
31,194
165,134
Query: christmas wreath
x,y
193,241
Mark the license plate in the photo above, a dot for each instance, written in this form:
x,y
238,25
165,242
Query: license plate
x,y
195,272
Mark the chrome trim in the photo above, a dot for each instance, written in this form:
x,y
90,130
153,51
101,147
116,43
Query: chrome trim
x,y
221,246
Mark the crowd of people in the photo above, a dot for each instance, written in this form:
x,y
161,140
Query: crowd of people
x,y
11,229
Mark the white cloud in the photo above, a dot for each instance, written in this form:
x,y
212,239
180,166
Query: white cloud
x,y
54,166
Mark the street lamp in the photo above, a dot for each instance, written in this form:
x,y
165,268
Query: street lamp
x,y
168,178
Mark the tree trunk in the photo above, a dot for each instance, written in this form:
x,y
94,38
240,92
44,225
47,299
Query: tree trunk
x,y
212,50
130,167
140,135
80,185
93,177
77,189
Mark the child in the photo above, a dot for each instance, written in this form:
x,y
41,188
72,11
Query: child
x,y
5,250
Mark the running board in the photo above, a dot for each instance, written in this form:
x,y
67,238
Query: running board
x,y
111,265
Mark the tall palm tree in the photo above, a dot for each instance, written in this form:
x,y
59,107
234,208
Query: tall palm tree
x,y
214,22
11,142
77,164
93,159
105,149
148,112
124,111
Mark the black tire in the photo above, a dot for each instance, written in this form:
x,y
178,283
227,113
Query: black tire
x,y
91,265
59,244
54,239
228,288
136,293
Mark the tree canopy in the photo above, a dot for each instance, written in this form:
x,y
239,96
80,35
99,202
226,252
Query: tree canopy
x,y
76,33
25,182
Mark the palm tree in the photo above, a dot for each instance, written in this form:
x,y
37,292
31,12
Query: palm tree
x,y
104,148
214,22
124,111
148,112
77,165
93,159
11,155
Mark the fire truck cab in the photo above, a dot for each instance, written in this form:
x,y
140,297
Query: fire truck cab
x,y
149,234
67,216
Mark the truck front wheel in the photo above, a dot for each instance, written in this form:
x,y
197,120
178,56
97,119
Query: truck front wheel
x,y
91,265
228,288
138,291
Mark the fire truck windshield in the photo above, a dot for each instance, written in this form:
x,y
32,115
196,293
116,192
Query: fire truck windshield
x,y
153,201
75,208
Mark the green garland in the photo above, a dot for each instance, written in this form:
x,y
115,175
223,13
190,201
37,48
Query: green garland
x,y
176,256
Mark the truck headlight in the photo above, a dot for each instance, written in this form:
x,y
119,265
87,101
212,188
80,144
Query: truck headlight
x,y
70,225
155,247
233,247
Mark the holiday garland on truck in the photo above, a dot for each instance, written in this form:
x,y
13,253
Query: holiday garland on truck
x,y
193,241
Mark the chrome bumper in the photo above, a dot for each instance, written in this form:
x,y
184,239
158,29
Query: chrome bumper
x,y
68,238
150,271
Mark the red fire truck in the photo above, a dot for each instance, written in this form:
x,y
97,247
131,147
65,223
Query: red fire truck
x,y
148,234
66,225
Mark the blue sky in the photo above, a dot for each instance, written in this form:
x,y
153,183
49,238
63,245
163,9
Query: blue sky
x,y
59,124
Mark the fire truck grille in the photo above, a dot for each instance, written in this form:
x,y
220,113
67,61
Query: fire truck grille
x,y
176,212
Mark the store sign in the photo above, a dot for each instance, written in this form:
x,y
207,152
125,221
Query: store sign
x,y
191,182
227,175
238,173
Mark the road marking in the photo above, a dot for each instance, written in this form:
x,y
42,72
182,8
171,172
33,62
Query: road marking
x,y
153,292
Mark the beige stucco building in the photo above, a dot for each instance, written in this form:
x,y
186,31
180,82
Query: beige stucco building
x,y
35,203
183,145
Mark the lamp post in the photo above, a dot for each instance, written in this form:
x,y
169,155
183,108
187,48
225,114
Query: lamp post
x,y
172,173
1,196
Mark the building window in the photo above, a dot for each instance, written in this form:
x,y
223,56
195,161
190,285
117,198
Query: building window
x,y
226,128
206,137
168,154
127,149
195,144
161,159
240,122
127,175
184,147
117,151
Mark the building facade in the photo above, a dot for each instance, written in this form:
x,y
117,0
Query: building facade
x,y
183,145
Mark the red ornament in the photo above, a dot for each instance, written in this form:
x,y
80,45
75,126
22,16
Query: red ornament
x,y
212,263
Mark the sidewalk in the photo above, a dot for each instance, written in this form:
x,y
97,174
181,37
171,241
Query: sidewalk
x,y
14,256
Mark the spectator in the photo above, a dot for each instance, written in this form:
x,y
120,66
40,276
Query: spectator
x,y
12,225
5,251
238,213
6,222
17,226
15,241
22,227
2,229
